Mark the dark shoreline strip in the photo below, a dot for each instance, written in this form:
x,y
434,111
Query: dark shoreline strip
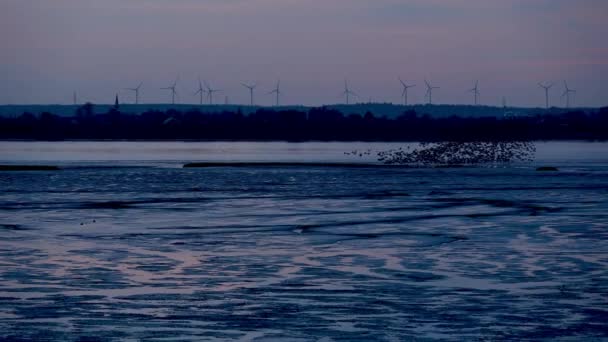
x,y
314,164
281,164
28,168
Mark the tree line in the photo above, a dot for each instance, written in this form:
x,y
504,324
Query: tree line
x,y
320,123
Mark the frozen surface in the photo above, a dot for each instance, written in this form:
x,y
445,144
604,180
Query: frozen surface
x,y
150,251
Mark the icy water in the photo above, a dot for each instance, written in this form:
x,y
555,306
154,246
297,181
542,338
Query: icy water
x,y
124,244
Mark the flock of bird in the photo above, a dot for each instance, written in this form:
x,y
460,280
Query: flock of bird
x,y
359,153
461,153
206,92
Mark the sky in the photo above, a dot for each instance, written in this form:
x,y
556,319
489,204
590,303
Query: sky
x,y
51,48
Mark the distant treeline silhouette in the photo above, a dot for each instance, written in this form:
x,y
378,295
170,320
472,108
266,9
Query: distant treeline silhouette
x,y
294,125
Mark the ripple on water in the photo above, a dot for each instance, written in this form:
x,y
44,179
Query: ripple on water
x,y
297,253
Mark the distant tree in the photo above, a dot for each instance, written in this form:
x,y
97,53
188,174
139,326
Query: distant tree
x,y
489,134
27,118
85,111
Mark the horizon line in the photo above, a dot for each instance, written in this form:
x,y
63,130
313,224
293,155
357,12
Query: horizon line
x,y
305,106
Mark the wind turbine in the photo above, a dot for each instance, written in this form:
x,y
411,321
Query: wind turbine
x,y
405,88
546,87
136,90
251,87
567,93
475,91
200,91
429,91
210,92
172,88
277,91
347,92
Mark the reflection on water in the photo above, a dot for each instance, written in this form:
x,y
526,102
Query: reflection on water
x,y
304,253
106,151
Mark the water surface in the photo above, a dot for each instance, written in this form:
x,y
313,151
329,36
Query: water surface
x,y
151,251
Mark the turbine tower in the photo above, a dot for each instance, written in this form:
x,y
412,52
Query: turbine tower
x,y
475,91
567,93
347,92
251,87
173,92
75,99
136,90
200,91
405,89
546,87
429,91
277,91
210,92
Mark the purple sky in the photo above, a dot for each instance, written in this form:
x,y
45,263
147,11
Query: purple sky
x,y
52,47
